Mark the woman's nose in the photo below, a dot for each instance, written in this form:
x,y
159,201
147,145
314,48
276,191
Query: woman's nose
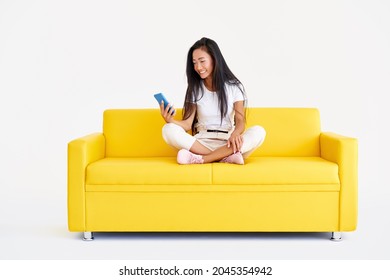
x,y
198,67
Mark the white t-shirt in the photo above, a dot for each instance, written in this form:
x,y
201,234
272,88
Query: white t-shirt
x,y
209,115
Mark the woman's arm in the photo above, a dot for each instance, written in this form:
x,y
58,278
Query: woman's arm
x,y
235,139
169,118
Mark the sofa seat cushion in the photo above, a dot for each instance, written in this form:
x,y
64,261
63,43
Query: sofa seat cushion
x,y
278,171
258,174
146,171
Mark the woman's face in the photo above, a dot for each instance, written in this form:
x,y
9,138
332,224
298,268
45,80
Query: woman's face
x,y
203,63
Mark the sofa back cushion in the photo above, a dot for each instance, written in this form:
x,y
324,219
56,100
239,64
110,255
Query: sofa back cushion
x,y
137,132
290,131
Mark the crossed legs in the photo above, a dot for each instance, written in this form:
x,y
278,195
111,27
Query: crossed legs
x,y
177,137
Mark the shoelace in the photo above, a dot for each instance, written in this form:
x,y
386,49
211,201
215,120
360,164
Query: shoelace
x,y
194,159
231,159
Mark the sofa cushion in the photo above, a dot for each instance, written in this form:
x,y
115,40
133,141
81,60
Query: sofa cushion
x,y
291,132
146,171
259,173
278,171
137,132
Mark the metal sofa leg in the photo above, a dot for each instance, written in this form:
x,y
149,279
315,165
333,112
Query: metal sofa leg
x,y
336,236
88,236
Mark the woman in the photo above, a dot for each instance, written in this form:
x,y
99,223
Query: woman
x,y
213,109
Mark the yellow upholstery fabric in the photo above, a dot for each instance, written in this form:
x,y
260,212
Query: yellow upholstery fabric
x,y
344,151
290,131
212,211
257,171
148,171
81,152
137,132
126,178
277,171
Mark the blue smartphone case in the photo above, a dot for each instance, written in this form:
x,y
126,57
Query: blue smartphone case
x,y
160,97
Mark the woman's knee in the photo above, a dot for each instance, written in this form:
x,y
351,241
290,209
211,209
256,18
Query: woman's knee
x,y
170,131
177,137
253,138
258,134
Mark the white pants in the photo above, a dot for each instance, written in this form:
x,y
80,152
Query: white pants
x,y
177,137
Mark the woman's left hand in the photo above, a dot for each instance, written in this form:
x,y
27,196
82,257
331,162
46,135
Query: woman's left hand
x,y
235,140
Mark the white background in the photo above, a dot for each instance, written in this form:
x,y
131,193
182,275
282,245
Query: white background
x,y
63,62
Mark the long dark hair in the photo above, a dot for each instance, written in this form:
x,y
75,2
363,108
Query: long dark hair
x,y
221,76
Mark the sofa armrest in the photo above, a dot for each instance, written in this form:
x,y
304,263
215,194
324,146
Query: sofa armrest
x,y
81,152
344,151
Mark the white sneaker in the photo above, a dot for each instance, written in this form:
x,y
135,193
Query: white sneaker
x,y
186,157
234,158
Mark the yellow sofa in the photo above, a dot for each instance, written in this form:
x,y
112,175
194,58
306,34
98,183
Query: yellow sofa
x,y
126,179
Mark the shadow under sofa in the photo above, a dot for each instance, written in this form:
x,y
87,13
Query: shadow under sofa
x,y
126,179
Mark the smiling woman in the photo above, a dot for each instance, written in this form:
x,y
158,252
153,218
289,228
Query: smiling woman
x,y
203,65
213,109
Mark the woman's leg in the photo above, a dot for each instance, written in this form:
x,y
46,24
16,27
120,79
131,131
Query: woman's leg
x,y
217,154
194,155
177,137
253,138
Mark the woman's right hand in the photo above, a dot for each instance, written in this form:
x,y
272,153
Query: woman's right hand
x,y
167,112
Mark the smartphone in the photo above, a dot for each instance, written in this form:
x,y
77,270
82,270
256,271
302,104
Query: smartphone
x,y
160,97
